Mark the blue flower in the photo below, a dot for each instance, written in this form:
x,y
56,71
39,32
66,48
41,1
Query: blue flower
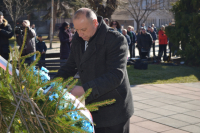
x,y
51,98
44,69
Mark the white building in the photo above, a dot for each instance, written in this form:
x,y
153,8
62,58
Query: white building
x,y
161,16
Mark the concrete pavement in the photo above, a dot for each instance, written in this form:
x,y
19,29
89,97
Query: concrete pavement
x,y
166,108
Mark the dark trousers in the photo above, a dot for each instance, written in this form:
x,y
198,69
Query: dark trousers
x,y
5,56
120,128
42,58
132,50
154,52
162,48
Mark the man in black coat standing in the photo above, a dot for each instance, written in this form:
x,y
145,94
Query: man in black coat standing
x,y
99,54
5,34
144,43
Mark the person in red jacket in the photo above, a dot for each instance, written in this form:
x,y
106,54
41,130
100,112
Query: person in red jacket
x,y
162,42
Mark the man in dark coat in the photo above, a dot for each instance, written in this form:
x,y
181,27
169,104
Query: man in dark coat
x,y
65,37
41,47
144,43
132,46
5,34
99,54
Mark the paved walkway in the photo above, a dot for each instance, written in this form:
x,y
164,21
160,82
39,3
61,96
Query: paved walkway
x,y
166,108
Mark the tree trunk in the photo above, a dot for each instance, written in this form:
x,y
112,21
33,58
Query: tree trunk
x,y
138,25
54,19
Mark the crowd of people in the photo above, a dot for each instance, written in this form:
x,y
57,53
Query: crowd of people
x,y
144,40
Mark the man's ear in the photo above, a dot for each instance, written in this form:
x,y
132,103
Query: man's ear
x,y
95,22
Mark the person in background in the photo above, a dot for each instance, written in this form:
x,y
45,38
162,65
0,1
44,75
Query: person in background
x,y
30,41
143,25
149,29
106,20
162,43
154,36
155,29
116,26
134,39
41,47
132,54
33,27
144,43
138,36
124,32
65,37
5,34
73,30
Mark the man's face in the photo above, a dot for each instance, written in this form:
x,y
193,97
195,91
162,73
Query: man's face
x,y
85,28
1,19
152,30
124,32
143,31
129,29
40,38
33,26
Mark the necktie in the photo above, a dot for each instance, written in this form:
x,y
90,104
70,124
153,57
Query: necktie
x,y
86,45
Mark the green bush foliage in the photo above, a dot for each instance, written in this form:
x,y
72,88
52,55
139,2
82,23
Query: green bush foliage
x,y
186,31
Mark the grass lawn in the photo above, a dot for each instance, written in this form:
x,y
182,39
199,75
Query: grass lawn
x,y
159,74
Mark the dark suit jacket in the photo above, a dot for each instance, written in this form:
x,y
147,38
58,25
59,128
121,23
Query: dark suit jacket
x,y
102,67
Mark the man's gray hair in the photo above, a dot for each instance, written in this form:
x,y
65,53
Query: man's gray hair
x,y
90,15
124,30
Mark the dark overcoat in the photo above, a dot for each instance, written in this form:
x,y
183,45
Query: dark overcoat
x,y
102,67
5,34
64,44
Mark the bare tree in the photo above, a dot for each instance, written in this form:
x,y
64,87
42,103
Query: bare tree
x,y
17,8
104,8
141,9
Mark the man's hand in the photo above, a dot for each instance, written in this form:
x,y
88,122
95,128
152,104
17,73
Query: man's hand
x,y
153,41
43,52
77,91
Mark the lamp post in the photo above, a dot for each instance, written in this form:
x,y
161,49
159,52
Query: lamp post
x,y
51,31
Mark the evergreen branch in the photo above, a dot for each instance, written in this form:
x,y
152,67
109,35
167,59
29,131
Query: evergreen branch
x,y
100,104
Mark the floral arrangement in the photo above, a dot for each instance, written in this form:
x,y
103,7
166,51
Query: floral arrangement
x,y
74,115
